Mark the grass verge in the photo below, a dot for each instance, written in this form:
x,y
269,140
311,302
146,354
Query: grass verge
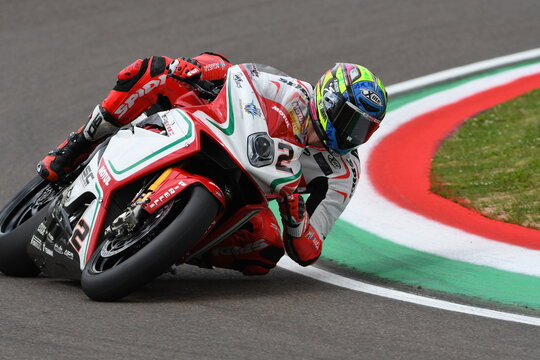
x,y
492,163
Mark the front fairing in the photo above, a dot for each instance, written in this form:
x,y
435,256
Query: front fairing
x,y
129,155
238,116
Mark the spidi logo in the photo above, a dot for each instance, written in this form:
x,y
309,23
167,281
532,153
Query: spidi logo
x,y
145,89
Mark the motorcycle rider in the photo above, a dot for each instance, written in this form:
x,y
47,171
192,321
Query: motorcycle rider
x,y
339,114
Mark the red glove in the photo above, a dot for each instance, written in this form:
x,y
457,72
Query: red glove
x,y
294,215
186,68
301,241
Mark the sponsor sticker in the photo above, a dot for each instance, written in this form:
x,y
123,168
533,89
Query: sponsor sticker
x,y
334,162
282,114
372,96
323,164
296,86
167,194
297,116
104,175
46,250
41,229
252,109
145,89
238,80
87,176
168,125
68,254
36,242
214,66
253,71
59,249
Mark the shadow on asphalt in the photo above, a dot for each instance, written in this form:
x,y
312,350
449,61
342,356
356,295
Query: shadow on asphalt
x,y
191,284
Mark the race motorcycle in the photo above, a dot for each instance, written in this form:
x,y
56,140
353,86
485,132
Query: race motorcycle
x,y
161,192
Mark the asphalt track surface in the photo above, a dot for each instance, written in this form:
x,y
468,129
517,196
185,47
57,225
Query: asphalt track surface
x,y
59,58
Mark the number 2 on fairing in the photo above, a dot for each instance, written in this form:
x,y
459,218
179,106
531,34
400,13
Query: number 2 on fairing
x,y
80,233
284,158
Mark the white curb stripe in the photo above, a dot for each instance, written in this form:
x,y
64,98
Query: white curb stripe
x,y
341,281
374,213
462,71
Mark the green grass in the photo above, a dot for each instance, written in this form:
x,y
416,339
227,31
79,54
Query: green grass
x,y
492,163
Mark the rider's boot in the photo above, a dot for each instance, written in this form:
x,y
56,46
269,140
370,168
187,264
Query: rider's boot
x,y
77,147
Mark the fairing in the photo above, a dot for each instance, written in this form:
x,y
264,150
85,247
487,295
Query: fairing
x,y
239,111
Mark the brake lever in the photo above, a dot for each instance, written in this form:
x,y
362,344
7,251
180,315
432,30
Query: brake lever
x,y
206,89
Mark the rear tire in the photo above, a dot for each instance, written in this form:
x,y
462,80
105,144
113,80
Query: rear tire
x,y
18,221
156,256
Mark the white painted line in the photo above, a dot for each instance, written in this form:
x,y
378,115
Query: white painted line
x,y
341,281
462,71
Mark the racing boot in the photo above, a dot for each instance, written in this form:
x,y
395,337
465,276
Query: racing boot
x,y
77,147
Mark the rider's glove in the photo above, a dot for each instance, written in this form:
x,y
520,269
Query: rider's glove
x,y
186,68
294,215
301,241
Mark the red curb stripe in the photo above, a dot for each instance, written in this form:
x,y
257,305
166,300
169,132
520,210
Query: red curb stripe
x,y
400,165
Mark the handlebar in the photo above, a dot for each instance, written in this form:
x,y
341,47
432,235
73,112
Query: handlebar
x,y
207,90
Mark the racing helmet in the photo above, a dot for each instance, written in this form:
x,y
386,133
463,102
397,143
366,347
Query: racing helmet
x,y
348,105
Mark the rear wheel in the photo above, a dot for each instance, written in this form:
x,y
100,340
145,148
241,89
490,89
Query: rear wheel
x,y
121,265
18,221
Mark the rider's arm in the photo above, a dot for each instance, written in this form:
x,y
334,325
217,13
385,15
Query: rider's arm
x,y
307,226
145,83
331,194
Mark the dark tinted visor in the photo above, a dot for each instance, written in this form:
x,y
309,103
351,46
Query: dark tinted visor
x,y
353,126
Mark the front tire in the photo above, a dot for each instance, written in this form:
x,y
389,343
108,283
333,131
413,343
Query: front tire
x,y
107,283
18,221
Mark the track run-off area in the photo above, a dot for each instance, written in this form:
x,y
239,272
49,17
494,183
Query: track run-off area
x,y
406,234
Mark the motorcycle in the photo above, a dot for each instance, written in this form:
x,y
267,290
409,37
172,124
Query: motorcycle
x,y
161,192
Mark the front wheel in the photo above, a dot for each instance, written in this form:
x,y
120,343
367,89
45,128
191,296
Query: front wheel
x,y
120,266
18,221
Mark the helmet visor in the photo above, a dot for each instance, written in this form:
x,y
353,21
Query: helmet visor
x,y
353,126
